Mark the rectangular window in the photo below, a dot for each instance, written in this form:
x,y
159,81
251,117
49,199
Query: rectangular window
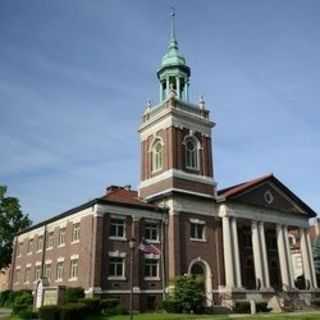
x,y
59,271
50,240
17,276
197,231
27,274
117,228
37,273
76,232
30,246
61,237
39,243
74,268
151,268
116,267
47,271
19,249
151,232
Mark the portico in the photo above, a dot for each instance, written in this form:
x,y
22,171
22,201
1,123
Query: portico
x,y
256,239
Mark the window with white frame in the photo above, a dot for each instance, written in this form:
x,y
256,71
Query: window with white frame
x,y
151,231
76,232
30,246
50,240
157,155
61,236
37,272
59,271
117,267
47,271
197,230
117,228
191,153
27,274
151,268
39,243
74,268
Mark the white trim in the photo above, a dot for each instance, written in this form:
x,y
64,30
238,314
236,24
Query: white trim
x,y
38,263
18,267
73,279
198,240
28,265
151,278
152,256
118,238
120,278
75,241
175,117
116,216
60,259
74,257
208,278
49,261
204,195
125,291
197,221
175,173
117,254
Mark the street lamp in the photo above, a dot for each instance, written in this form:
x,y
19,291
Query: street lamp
x,y
132,246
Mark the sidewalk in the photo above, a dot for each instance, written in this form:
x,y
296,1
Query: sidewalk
x,y
4,312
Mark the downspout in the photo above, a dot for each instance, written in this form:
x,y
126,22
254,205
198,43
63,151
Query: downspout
x,y
43,250
162,259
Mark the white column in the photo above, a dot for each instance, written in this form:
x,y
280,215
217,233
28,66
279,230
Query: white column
x,y
178,87
235,243
283,258
227,249
305,259
289,257
167,87
264,255
312,268
257,255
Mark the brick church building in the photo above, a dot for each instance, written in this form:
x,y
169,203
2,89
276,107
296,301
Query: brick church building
x,y
237,238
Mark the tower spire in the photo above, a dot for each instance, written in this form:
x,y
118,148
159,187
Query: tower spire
x,y
173,41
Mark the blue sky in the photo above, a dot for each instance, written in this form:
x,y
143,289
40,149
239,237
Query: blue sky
x,y
75,76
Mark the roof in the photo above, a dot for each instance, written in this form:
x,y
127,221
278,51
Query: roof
x,y
122,195
118,196
235,190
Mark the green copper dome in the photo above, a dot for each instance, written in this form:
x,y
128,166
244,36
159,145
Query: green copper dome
x,y
173,58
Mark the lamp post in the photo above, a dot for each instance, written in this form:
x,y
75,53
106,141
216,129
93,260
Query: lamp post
x,y
132,245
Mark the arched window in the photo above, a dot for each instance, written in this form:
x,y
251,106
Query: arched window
x,y
191,153
157,155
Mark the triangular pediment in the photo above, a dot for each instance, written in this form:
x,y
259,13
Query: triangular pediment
x,y
269,193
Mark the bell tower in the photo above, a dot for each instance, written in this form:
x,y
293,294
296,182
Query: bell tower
x,y
175,135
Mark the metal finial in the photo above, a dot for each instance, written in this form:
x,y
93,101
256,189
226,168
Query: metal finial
x,y
173,25
202,103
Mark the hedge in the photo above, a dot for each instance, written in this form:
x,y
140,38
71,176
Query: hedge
x,y
73,311
93,305
73,294
49,312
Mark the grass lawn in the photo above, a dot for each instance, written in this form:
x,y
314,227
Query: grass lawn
x,y
164,316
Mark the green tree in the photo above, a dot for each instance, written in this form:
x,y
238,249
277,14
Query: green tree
x,y
12,220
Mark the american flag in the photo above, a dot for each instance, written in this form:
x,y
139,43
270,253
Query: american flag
x,y
148,248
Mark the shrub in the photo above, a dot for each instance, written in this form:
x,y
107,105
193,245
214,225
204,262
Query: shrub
x,y
170,305
49,313
188,294
93,305
108,303
4,296
262,307
28,314
73,311
117,310
22,302
242,307
73,294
